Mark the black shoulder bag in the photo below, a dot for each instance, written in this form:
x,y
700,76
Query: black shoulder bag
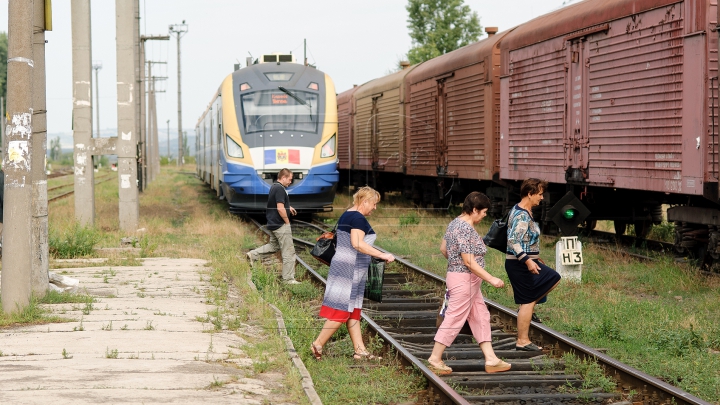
x,y
324,248
496,237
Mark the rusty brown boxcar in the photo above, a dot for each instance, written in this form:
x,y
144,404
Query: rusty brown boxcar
x,y
379,129
346,115
451,113
614,94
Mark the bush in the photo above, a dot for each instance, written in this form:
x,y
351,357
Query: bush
x,y
411,218
678,341
75,242
663,232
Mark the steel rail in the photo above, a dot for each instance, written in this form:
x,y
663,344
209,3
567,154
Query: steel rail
x,y
58,197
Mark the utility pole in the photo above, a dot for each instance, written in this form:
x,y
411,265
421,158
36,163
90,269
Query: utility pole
x,y
179,30
39,206
97,65
154,148
168,124
126,25
82,112
17,240
147,147
2,127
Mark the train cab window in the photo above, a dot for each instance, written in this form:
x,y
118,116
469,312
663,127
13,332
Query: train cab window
x,y
279,76
280,110
269,58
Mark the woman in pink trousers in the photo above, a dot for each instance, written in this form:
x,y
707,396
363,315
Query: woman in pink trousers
x,y
465,251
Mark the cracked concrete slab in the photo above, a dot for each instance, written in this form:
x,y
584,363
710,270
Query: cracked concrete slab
x,y
146,339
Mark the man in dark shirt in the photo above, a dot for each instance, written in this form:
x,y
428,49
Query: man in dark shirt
x,y
278,223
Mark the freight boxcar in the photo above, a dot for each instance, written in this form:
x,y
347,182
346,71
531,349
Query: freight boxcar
x,y
611,99
452,120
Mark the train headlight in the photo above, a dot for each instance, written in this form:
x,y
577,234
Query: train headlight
x,y
329,148
233,149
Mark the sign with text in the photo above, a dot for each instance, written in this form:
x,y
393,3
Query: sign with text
x,y
571,251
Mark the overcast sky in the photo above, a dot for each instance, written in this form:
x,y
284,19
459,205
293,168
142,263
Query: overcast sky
x,y
352,41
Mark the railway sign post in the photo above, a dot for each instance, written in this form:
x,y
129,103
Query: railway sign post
x,y
568,258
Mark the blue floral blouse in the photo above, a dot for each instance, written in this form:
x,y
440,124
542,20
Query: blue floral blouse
x,y
523,234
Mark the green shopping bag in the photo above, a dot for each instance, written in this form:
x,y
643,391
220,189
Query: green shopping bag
x,y
375,279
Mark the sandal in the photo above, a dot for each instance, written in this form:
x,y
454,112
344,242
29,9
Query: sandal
x,y
316,351
439,368
497,368
365,357
530,347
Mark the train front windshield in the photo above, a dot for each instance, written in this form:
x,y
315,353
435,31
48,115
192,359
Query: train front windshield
x,y
280,110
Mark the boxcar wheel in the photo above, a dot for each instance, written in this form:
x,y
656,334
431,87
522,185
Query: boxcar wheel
x,y
620,227
642,228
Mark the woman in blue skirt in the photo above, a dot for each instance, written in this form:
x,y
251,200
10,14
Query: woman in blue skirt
x,y
531,279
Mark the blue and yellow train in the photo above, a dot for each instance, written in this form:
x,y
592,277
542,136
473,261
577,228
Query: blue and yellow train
x,y
273,114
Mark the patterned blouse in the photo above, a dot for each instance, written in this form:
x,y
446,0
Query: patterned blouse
x,y
460,238
523,234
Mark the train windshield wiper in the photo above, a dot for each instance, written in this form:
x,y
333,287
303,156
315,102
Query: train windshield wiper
x,y
296,98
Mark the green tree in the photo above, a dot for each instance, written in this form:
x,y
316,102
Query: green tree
x,y
55,149
440,26
3,64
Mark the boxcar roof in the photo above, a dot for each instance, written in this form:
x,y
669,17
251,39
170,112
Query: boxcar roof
x,y
576,17
385,83
346,95
465,56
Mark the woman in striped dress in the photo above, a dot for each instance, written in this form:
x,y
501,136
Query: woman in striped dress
x,y
348,273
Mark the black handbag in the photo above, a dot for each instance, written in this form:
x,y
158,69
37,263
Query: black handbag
x,y
496,236
324,248
375,280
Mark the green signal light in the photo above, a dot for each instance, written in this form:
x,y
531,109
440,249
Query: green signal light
x,y
569,213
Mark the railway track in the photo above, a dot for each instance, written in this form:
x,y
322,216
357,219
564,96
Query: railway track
x,y
65,194
406,322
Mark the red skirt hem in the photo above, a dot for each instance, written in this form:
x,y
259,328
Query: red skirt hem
x,y
337,315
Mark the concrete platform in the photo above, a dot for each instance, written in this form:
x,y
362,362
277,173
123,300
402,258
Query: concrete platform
x,y
143,341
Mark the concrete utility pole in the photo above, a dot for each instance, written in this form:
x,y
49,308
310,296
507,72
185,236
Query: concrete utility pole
x,y
97,66
146,146
39,247
142,133
179,30
17,238
168,134
126,25
150,130
82,112
2,127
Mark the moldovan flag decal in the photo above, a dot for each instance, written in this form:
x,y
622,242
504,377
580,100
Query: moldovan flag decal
x,y
269,156
280,156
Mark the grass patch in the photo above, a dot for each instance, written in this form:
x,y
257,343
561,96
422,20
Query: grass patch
x,y
73,242
32,314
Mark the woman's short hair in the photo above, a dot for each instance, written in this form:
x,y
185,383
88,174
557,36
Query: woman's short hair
x,y
365,193
475,201
532,186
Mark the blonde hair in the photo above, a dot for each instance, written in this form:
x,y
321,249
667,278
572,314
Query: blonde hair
x,y
365,193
